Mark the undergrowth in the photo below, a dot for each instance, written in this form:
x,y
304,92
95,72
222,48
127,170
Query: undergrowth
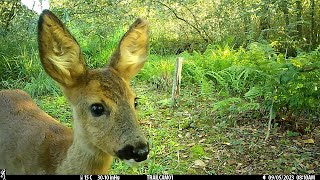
x,y
253,82
250,80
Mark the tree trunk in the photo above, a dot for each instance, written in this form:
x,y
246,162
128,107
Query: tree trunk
x,y
299,20
286,13
313,30
246,24
264,20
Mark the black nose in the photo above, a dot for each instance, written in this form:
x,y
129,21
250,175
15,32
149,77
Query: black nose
x,y
138,153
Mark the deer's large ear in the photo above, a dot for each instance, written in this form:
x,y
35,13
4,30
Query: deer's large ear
x,y
132,50
60,53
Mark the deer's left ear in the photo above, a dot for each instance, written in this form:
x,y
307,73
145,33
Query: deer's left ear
x,y
132,50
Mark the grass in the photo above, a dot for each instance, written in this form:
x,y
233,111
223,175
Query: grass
x,y
190,139
220,122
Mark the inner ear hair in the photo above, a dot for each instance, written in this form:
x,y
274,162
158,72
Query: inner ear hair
x,y
60,53
132,50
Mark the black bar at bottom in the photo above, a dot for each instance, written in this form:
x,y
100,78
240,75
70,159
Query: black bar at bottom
x,y
163,177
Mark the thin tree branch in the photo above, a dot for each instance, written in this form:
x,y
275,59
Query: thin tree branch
x,y
187,22
197,23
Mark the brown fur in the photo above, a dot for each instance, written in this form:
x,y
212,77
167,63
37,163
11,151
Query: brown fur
x,y
32,142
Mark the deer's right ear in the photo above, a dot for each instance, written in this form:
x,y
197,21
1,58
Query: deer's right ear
x,y
60,53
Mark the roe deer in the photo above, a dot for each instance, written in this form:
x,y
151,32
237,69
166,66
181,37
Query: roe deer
x,y
103,105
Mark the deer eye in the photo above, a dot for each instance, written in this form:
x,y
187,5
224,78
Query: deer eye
x,y
135,102
97,109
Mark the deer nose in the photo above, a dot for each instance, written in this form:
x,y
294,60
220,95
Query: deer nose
x,y
138,153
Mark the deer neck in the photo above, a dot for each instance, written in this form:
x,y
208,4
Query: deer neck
x,y
84,158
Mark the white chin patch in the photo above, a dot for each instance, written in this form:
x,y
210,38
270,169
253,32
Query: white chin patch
x,y
133,163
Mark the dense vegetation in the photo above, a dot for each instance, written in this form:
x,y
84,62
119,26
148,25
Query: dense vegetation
x,y
251,68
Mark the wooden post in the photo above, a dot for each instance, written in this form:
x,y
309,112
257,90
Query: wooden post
x,y
177,80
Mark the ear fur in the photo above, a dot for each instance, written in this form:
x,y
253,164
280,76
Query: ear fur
x,y
60,53
132,50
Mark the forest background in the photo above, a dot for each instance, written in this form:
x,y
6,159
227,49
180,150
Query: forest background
x,y
250,97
